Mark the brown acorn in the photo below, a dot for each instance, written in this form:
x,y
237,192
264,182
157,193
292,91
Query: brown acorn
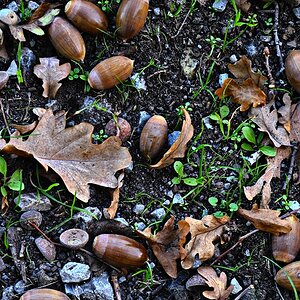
x,y
293,270
292,69
286,246
110,72
153,137
120,251
44,294
119,127
86,16
131,17
66,39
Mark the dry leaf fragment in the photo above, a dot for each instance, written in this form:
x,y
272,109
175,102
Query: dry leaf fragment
x,y
51,73
295,123
203,235
244,5
3,52
3,79
71,154
266,119
264,182
165,246
179,147
285,112
266,220
219,292
42,10
246,93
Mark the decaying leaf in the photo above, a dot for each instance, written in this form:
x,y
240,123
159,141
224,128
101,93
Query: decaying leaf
x,y
71,154
295,123
203,235
243,5
51,73
178,149
3,52
285,112
264,182
219,292
4,205
242,70
23,129
266,220
266,119
3,79
44,9
165,246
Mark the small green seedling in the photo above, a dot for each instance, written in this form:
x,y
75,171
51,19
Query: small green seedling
x,y
25,12
223,205
100,136
106,5
178,167
19,71
14,182
79,73
74,74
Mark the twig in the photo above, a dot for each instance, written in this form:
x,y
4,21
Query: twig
x,y
267,63
241,239
251,286
276,39
290,213
4,117
182,24
41,232
292,164
114,279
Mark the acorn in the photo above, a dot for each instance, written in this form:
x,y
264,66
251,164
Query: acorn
x,y
292,69
86,16
119,127
44,294
286,246
66,39
153,137
131,17
119,251
110,72
293,271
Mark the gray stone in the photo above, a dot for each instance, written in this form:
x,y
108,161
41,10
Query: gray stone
x,y
8,293
19,287
227,186
138,81
296,12
158,213
156,11
2,265
13,6
32,5
27,59
170,193
189,64
233,59
144,117
138,209
140,226
294,205
265,38
86,218
177,199
122,220
251,49
12,69
166,202
220,5
236,286
292,44
222,78
32,201
74,272
172,137
2,230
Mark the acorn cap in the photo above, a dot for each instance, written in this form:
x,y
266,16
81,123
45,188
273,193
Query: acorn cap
x,y
74,238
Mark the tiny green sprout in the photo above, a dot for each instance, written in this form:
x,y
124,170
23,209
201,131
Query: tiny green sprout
x,y
269,22
106,5
100,136
74,74
213,201
190,181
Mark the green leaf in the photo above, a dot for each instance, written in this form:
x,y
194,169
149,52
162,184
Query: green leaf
x,y
48,17
3,191
214,117
176,180
247,147
16,185
224,111
3,166
218,214
233,207
249,134
190,181
178,167
213,201
269,151
16,176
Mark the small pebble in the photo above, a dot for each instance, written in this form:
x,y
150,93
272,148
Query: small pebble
x,y
32,216
166,202
177,199
13,6
32,5
233,59
220,5
32,201
2,265
19,287
27,59
236,286
122,220
170,193
74,272
144,117
46,248
158,214
140,226
172,137
138,81
294,205
8,293
138,209
86,218
227,186
156,11
266,38
189,64
222,78
251,49
296,12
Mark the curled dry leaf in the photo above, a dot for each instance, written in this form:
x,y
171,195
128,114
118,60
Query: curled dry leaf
x,y
165,246
266,119
295,123
51,73
203,235
246,93
266,220
264,182
219,292
3,52
286,112
179,147
43,10
71,154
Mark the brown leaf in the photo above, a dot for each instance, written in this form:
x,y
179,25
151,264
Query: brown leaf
x,y
2,144
4,205
179,147
23,129
41,11
165,246
285,112
243,5
242,70
266,119
266,220
247,93
264,182
219,292
295,123
3,52
51,73
3,79
203,235
71,154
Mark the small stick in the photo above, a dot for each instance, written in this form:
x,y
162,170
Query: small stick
x,y
292,164
267,63
182,24
42,233
114,279
276,39
251,286
4,116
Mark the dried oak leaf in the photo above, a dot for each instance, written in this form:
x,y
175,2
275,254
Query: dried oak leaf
x,y
51,73
179,147
266,119
266,220
295,123
203,235
246,93
243,5
165,246
286,113
71,154
264,182
219,292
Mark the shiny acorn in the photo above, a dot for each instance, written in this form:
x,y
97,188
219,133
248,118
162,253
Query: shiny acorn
x,y
44,294
110,72
285,247
119,251
86,16
293,270
153,137
131,17
292,69
66,39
